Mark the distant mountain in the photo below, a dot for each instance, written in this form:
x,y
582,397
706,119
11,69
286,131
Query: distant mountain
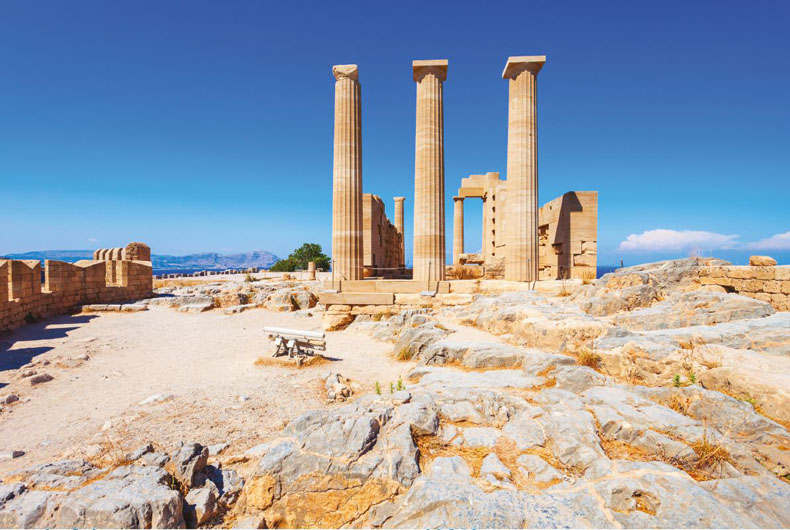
x,y
60,255
205,260
213,260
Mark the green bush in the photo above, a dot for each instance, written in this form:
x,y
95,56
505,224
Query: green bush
x,y
299,258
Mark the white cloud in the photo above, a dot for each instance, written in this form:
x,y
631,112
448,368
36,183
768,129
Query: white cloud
x,y
93,240
775,242
663,239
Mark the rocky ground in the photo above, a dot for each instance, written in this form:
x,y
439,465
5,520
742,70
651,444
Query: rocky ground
x,y
637,400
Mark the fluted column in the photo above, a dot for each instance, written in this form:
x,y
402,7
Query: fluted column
x,y
521,253
399,228
429,241
458,229
347,175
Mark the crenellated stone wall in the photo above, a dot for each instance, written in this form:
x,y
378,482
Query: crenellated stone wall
x,y
382,243
66,286
767,283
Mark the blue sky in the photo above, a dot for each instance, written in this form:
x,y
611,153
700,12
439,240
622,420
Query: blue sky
x,y
197,126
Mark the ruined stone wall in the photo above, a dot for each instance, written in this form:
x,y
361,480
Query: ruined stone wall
x,y
381,241
767,283
568,236
68,285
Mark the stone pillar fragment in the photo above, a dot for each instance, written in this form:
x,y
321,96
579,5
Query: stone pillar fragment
x,y
521,257
458,229
311,270
399,227
347,175
429,240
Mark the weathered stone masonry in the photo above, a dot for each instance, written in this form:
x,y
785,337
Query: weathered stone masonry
x,y
770,284
382,242
117,276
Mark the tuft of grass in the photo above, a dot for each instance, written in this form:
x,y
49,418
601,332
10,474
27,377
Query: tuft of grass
x,y
676,381
285,362
588,357
710,457
692,378
378,388
564,291
392,387
404,353
462,272
587,276
679,403
400,386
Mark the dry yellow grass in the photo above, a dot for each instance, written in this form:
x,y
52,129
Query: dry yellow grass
x,y
679,403
587,276
588,357
285,362
431,447
710,458
404,353
462,272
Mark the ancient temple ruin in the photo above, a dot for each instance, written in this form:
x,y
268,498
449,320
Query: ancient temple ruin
x,y
567,231
521,241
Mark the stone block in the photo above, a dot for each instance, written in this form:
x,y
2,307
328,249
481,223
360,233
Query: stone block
x,y
336,322
764,297
785,287
764,273
781,302
782,272
356,298
761,261
455,299
741,273
771,286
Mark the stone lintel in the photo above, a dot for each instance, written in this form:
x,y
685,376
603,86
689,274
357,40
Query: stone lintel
x,y
437,67
350,71
471,192
516,65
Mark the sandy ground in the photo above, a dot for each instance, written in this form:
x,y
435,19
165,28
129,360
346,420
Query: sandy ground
x,y
203,364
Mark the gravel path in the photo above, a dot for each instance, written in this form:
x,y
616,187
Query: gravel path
x,y
201,366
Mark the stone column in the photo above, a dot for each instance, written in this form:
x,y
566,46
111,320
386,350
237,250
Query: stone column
x,y
399,228
429,249
521,255
311,270
347,175
458,229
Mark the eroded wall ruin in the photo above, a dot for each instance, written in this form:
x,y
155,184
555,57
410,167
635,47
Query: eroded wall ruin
x,y
568,236
111,278
382,243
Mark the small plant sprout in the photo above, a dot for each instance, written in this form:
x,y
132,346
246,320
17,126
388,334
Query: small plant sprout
x,y
400,384
692,378
676,380
392,387
378,388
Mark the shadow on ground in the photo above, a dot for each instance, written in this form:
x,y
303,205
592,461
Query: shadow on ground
x,y
14,354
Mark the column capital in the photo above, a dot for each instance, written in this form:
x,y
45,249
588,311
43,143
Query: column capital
x,y
516,65
399,199
341,71
458,198
437,67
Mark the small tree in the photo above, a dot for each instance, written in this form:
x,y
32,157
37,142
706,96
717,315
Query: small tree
x,y
299,258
